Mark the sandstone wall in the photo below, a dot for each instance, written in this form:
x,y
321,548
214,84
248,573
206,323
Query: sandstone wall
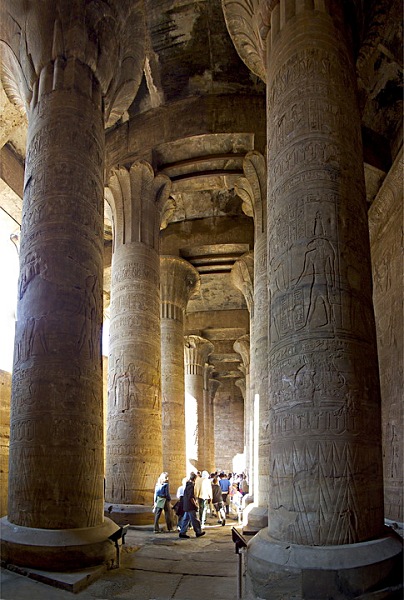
x,y
229,425
5,395
386,231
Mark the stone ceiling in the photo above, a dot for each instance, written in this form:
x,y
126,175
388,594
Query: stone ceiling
x,y
197,113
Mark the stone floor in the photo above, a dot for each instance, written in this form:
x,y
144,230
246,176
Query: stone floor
x,y
153,567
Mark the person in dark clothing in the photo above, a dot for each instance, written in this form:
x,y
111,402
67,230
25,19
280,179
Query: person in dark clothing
x,y
190,506
217,501
162,490
224,483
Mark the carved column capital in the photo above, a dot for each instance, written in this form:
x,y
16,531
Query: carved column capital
x,y
241,384
254,24
196,352
242,277
105,38
214,385
252,189
388,199
179,280
242,346
136,197
207,374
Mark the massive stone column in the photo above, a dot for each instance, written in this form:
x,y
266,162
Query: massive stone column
x,y
5,395
386,227
67,69
178,281
326,473
252,188
134,431
242,277
196,352
242,346
212,387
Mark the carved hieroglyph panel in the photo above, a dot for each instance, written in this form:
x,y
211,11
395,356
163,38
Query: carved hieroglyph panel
x,y
134,450
57,382
386,227
325,469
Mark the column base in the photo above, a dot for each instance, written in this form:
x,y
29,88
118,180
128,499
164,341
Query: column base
x,y
134,514
255,518
278,570
57,549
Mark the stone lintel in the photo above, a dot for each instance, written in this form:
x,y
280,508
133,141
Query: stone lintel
x,y
12,172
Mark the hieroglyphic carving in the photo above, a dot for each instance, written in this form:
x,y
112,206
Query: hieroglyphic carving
x,y
57,366
323,382
385,224
252,188
88,36
179,280
322,512
134,389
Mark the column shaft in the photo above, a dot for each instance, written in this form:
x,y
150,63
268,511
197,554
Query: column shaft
x,y
179,280
134,451
57,417
326,477
197,350
134,434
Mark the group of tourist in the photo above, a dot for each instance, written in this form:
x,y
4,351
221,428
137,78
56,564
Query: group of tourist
x,y
196,495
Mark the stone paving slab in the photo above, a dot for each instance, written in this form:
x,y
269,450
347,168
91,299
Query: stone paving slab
x,y
201,588
153,567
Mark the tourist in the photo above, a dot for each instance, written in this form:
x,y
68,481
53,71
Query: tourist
x,y
190,507
162,501
217,501
179,505
203,493
224,486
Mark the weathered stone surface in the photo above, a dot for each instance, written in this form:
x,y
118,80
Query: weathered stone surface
x,y
385,224
198,111
323,384
196,353
179,280
134,433
5,395
229,424
252,188
324,390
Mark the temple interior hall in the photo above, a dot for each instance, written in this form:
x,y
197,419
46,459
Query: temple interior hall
x,y
201,257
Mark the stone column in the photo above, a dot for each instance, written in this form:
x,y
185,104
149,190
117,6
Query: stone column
x,y
252,188
242,346
196,352
242,277
72,81
209,437
213,386
326,474
179,280
5,395
386,226
134,431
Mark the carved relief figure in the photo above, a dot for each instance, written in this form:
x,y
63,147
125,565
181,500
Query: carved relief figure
x,y
319,272
30,269
89,310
